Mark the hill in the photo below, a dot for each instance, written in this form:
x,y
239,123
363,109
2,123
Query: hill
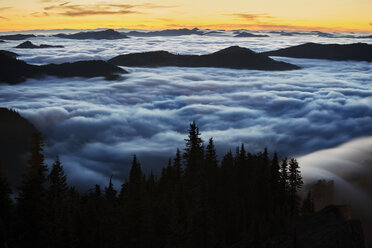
x,y
355,51
108,34
232,57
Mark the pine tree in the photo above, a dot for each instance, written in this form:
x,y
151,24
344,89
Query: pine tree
x,y
275,178
283,187
57,183
177,164
110,216
57,212
210,155
134,203
32,199
194,151
242,155
295,184
110,192
135,174
284,177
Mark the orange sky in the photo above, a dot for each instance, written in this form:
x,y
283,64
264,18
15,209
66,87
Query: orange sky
x,y
327,15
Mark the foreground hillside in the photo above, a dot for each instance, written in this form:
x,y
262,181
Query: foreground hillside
x,y
246,200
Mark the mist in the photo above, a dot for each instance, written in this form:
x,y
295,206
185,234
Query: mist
x,y
96,126
349,166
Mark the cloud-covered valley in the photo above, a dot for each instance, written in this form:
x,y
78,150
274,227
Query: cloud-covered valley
x,y
96,125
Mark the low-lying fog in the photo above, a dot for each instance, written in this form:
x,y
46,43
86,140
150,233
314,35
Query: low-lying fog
x,y
96,125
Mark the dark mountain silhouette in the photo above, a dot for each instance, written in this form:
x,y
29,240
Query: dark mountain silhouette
x,y
363,37
9,54
88,69
108,34
246,34
232,57
355,51
17,36
286,33
29,44
322,34
16,71
213,32
15,133
167,32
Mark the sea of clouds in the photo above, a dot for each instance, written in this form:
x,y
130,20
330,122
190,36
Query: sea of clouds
x,y
96,126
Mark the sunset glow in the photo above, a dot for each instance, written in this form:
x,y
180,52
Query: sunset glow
x,y
332,15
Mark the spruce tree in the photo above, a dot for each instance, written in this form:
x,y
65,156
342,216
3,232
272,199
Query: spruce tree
x,y
177,164
134,205
194,151
284,177
295,184
31,200
110,192
57,212
110,216
242,155
275,178
210,155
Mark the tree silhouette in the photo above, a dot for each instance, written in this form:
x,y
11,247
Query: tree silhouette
x,y
295,184
56,211
194,150
243,201
32,207
211,155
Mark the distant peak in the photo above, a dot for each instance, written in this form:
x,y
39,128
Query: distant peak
x,y
27,42
234,49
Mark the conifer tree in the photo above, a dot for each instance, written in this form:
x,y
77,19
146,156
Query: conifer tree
x,y
275,178
57,212
242,155
284,177
31,201
135,174
57,185
177,164
110,216
110,192
134,203
194,151
210,155
295,184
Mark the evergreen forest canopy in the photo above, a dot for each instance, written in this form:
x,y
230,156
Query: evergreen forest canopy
x,y
197,201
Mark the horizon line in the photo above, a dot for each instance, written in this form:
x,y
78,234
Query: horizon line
x,y
202,27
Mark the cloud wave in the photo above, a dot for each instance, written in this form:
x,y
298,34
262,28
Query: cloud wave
x,y
96,126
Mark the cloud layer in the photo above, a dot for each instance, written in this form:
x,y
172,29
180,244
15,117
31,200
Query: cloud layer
x,y
96,126
350,167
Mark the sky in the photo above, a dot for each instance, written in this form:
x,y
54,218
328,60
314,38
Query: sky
x,y
330,15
